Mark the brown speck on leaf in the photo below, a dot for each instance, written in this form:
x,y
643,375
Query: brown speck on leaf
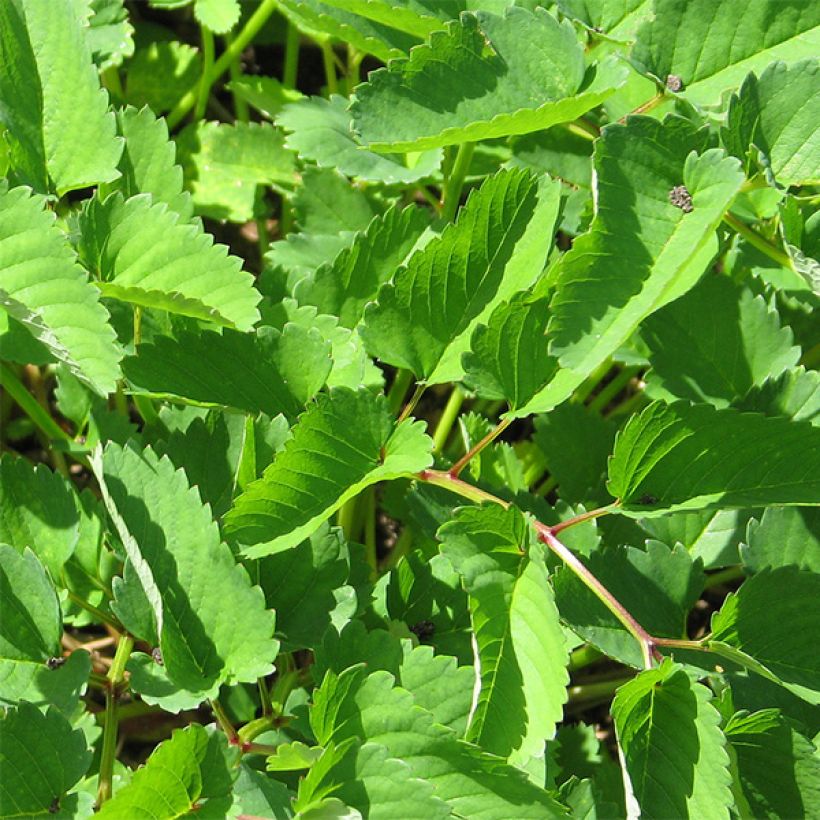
x,y
681,198
54,663
674,83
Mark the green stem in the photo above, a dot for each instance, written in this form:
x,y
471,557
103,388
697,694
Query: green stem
x,y
546,486
414,400
249,31
102,617
584,656
370,532
115,679
291,68
447,419
224,722
441,478
588,386
724,576
330,69
611,390
39,416
579,519
756,240
137,326
145,407
598,690
264,697
456,469
354,62
451,195
401,381
205,80
240,107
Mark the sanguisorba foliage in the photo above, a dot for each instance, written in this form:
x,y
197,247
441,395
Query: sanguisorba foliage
x,y
473,469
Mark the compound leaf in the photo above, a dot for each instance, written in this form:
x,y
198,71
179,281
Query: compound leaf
x,y
778,115
268,371
144,254
674,752
43,757
689,40
521,648
692,456
320,132
485,76
343,443
767,620
58,125
46,290
424,319
715,343
343,287
186,574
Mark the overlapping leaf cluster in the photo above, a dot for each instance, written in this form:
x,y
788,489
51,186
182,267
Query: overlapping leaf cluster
x,y
587,232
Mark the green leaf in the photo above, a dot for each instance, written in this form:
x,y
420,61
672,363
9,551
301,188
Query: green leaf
x,y
485,76
148,163
768,619
657,585
618,19
777,114
43,757
258,794
343,443
783,536
220,16
658,250
38,510
689,41
673,750
37,683
145,255
343,287
521,648
189,772
418,17
268,371
320,132
186,573
299,585
508,357
495,249
160,73
59,129
223,164
473,783
692,456
46,290
322,21
795,394
266,94
293,757
109,34
778,768
715,343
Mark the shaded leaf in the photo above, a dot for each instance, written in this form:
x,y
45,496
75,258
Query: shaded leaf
x,y
795,394
36,683
783,536
160,73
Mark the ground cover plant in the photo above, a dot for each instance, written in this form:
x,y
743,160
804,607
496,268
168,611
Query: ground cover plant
x,y
410,409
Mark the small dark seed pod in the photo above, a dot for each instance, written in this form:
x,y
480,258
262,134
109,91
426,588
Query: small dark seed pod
x,y
156,654
648,500
674,83
423,629
681,198
54,663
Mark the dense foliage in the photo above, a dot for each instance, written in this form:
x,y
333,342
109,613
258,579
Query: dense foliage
x,y
410,408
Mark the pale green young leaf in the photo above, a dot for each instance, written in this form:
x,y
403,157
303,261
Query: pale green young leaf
x,y
186,573
143,254
323,21
44,288
343,288
641,251
223,164
320,132
188,771
509,357
778,768
778,114
220,16
475,784
795,394
266,94
43,757
658,586
521,648
343,443
689,40
148,163
783,536
692,456
715,343
160,73
293,757
485,76
424,319
417,17
768,619
267,371
673,750
38,510
109,34
59,129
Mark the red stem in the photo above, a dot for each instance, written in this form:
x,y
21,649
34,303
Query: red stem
x,y
477,448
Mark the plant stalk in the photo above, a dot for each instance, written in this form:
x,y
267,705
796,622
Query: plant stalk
x,y
401,381
456,469
330,69
205,80
291,68
451,195
756,240
411,405
447,419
